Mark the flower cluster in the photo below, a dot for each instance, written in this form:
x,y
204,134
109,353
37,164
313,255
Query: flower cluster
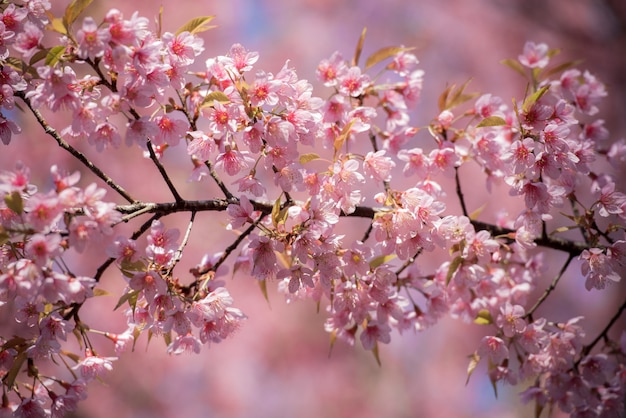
x,y
38,231
292,167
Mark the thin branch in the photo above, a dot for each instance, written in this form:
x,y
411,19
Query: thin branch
x,y
218,181
228,250
408,262
237,241
459,192
587,349
143,228
77,154
164,174
179,251
573,248
550,288
570,247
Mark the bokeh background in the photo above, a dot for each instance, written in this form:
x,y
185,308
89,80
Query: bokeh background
x,y
279,363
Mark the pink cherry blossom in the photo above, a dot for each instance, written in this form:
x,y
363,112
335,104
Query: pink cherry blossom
x,y
511,319
91,40
377,166
534,55
353,82
93,366
493,348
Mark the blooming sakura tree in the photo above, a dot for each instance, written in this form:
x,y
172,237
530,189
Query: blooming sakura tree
x,y
291,168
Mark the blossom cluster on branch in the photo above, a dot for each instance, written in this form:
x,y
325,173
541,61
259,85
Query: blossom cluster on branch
x,y
290,168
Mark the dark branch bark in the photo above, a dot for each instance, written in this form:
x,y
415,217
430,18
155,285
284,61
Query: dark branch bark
x,y
77,154
139,208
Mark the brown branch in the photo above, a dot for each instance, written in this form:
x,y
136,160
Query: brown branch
x,y
77,154
459,192
549,290
139,232
164,174
571,247
179,252
587,349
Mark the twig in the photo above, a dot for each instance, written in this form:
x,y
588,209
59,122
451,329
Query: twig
x,y
459,192
573,248
143,228
77,154
164,174
237,241
218,181
179,252
550,288
587,349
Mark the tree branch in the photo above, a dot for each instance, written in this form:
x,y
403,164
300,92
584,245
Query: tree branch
x,y
587,349
549,290
571,247
77,154
164,174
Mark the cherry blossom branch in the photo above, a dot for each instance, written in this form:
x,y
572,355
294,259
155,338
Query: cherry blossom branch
x,y
587,349
139,232
113,87
77,154
164,174
179,252
218,181
459,192
571,247
549,290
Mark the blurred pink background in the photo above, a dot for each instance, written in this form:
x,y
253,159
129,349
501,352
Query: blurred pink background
x,y
278,364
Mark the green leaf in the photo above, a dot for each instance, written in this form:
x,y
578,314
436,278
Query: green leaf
x,y
74,10
100,292
4,236
14,202
564,229
454,266
9,378
72,356
56,24
493,379
475,214
196,25
381,259
532,99
376,353
130,268
384,53
491,121
341,138
560,68
515,65
263,287
474,360
55,54
159,29
483,317
276,211
305,158
359,48
38,56
453,97
136,334
214,96
333,339
130,297
553,52
282,216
